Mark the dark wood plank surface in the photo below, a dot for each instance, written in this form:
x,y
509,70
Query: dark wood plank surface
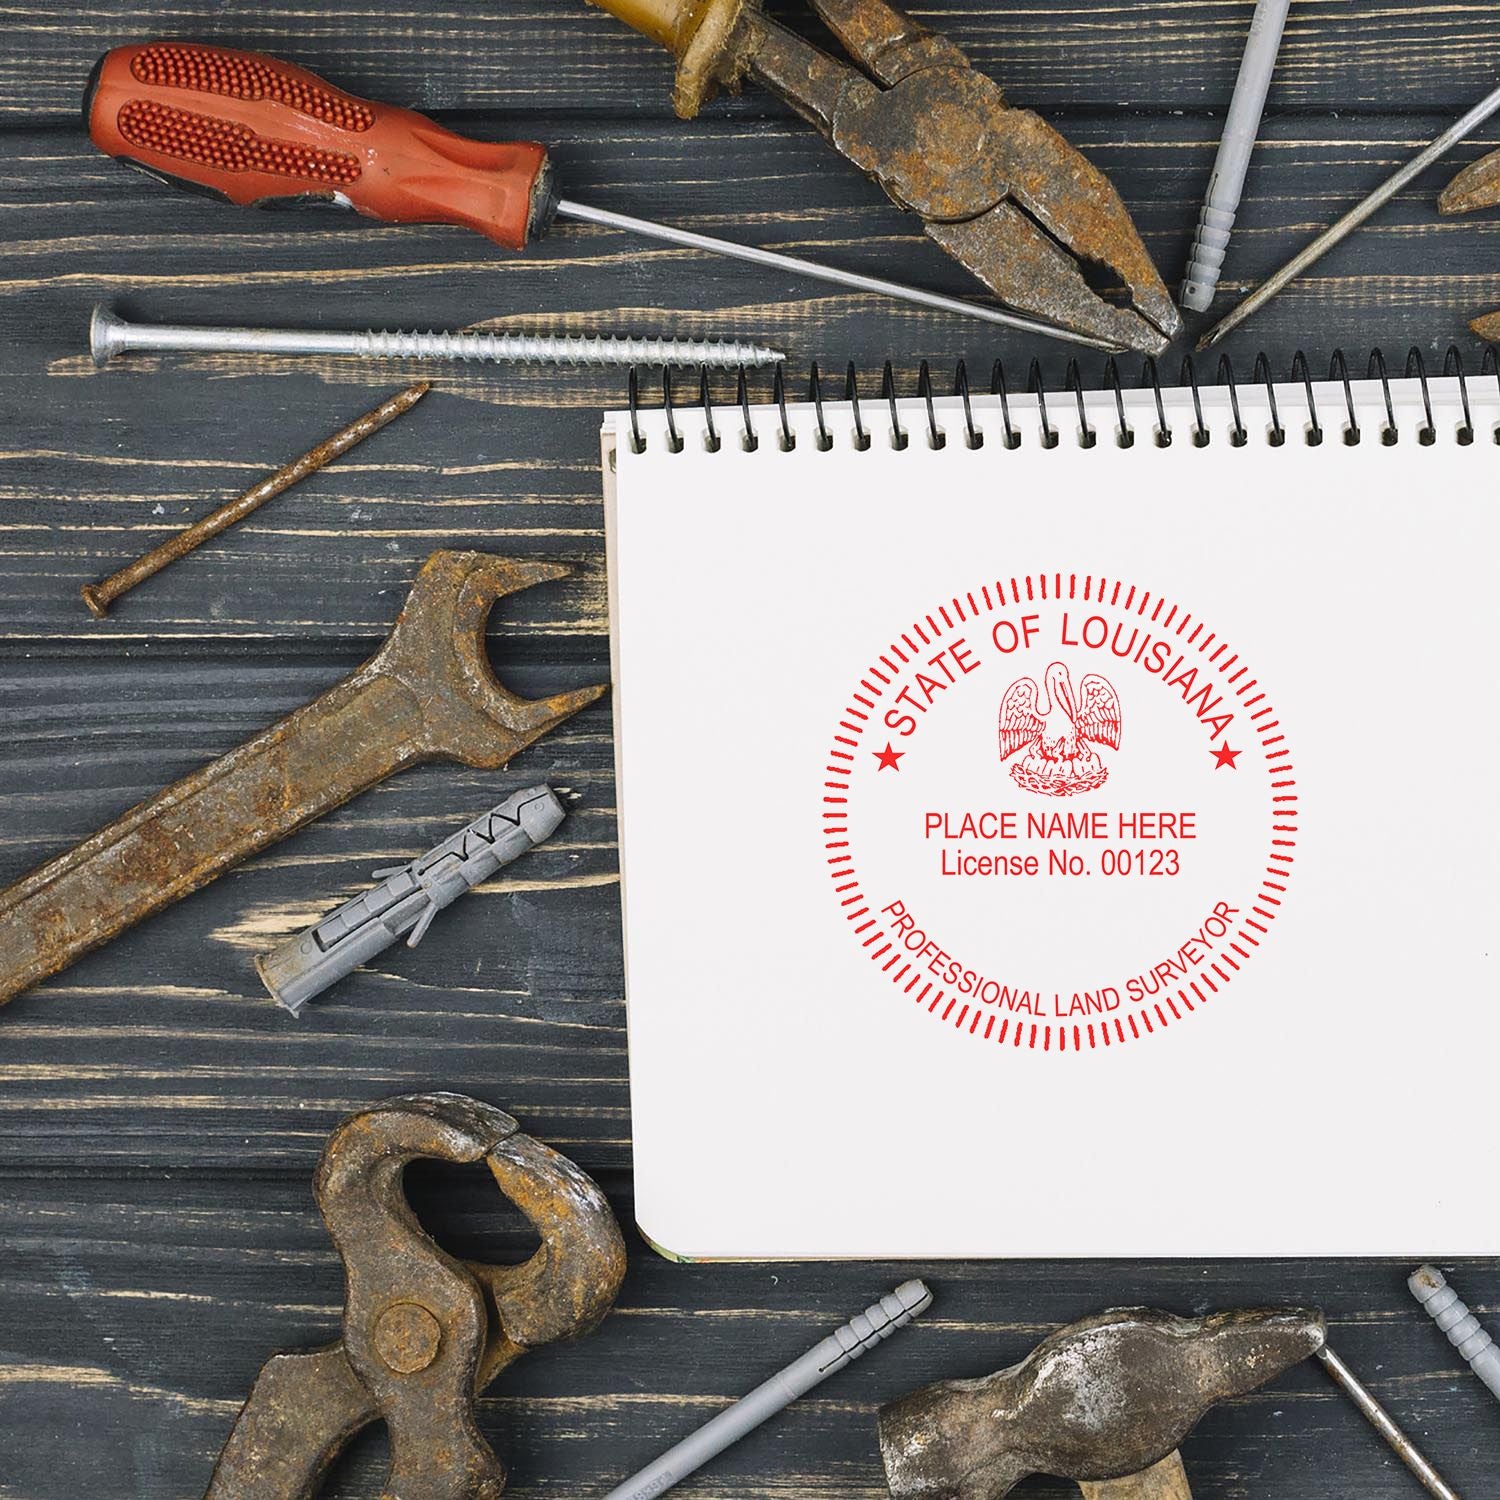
x,y
159,1118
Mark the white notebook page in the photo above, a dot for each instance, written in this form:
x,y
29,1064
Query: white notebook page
x,y
1061,851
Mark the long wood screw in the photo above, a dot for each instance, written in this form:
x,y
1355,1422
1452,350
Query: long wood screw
x,y
99,596
111,335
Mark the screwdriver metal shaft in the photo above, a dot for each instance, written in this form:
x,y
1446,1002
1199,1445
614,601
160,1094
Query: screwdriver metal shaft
x,y
567,209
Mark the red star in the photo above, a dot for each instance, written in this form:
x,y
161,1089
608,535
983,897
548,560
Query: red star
x,y
1224,756
889,757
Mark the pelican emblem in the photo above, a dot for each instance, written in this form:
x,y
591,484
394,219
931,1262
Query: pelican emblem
x,y
1058,732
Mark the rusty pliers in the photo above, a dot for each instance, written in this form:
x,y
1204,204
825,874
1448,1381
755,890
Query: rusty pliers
x,y
996,187
423,1333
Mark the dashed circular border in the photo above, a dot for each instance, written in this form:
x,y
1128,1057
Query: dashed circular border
x,y
1046,588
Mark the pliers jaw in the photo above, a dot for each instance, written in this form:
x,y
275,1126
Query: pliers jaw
x,y
996,187
1060,210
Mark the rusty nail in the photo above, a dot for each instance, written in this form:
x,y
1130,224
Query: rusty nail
x,y
99,596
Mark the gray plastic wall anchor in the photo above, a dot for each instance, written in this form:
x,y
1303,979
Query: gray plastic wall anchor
x,y
1206,258
1431,1289
844,1345
407,898
1227,182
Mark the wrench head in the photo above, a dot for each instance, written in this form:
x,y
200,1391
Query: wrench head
x,y
438,651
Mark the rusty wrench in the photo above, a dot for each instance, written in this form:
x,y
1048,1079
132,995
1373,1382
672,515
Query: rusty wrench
x,y
429,693
423,1333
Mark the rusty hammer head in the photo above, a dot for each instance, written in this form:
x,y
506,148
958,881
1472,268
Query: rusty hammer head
x,y
1105,1398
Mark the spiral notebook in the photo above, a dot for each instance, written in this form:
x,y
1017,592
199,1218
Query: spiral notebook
x,y
1061,824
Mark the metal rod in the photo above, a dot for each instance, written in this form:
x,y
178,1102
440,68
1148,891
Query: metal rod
x,y
774,259
110,335
1382,1421
99,596
1354,218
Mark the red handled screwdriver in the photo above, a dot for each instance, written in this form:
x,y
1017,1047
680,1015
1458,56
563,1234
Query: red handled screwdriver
x,y
255,130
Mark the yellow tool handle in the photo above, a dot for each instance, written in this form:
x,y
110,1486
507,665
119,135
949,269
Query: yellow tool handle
x,y
670,22
698,33
673,23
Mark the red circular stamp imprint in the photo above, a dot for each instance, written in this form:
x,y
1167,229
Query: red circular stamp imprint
x,y
1059,813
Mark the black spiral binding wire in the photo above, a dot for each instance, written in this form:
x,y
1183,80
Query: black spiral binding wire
x,y
1125,435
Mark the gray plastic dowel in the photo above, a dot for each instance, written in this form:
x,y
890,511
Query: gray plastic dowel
x,y
1227,182
840,1348
1431,1289
407,899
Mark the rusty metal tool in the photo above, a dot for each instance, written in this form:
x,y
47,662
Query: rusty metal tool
x,y
99,596
1474,188
1344,226
996,187
256,130
423,1333
429,693
1104,1402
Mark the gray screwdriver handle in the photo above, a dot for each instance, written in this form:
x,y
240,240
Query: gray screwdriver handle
x,y
840,1348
